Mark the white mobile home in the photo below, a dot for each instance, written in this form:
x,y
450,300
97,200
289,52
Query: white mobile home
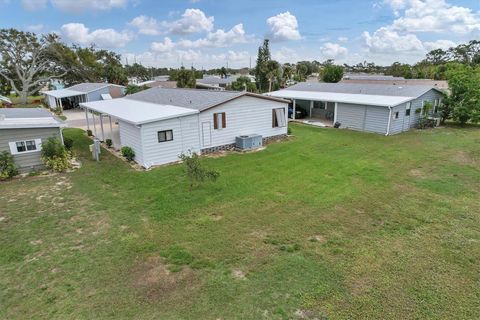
x,y
71,97
160,124
379,108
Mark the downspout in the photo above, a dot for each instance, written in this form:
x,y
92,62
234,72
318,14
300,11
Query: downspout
x,y
389,120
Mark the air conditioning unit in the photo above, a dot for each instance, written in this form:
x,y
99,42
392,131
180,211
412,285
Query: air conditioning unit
x,y
248,142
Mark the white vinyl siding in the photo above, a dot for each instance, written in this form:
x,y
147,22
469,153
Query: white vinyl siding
x,y
245,115
376,119
130,136
185,131
351,116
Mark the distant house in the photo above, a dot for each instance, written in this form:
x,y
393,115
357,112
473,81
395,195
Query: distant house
x,y
22,131
158,83
215,82
70,97
379,108
160,124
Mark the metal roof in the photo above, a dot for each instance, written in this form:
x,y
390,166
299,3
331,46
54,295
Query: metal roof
x,y
364,88
214,80
137,112
363,99
63,93
89,86
186,98
28,118
78,89
191,98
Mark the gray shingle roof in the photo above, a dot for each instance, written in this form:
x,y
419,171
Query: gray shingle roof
x,y
25,113
364,88
88,87
187,98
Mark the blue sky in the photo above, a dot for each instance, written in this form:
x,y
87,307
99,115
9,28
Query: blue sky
x,y
210,33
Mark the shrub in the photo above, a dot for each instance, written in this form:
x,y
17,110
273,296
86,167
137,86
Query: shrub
x,y
289,131
128,153
89,133
54,155
109,143
196,173
8,169
424,123
68,143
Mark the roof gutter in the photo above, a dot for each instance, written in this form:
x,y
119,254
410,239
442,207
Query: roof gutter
x,y
389,120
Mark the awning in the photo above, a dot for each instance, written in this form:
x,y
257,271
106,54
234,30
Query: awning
x,y
63,93
362,99
137,112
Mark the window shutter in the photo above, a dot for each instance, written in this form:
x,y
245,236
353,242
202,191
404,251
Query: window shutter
x,y
273,118
224,120
215,122
13,147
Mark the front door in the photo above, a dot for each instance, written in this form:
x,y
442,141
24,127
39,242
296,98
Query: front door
x,y
206,134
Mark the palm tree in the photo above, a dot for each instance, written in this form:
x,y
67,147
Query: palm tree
x,y
273,72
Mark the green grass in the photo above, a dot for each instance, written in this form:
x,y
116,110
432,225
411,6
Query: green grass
x,y
330,224
16,102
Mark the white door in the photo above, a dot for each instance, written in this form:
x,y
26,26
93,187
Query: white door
x,y
207,134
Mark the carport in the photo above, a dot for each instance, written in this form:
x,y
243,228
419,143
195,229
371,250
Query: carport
x,y
65,98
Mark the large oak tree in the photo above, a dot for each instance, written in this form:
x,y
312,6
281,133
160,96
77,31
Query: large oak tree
x,y
26,61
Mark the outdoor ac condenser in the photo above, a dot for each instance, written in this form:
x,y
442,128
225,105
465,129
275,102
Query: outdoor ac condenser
x,y
248,142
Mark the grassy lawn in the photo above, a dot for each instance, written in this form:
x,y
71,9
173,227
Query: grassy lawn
x,y
330,224
30,104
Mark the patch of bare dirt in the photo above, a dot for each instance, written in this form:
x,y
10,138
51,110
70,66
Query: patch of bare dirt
x,y
317,238
416,173
216,217
239,274
156,282
464,158
360,285
305,314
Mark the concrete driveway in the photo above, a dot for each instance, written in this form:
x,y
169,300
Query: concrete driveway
x,y
76,119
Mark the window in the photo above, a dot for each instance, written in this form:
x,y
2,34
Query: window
x,y
219,120
396,115
278,118
166,135
25,146
408,108
436,105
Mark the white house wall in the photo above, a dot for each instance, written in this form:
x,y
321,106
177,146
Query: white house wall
x,y
185,138
130,136
245,115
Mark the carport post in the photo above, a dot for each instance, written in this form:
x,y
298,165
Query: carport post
x,y
101,126
61,104
335,113
111,128
94,124
311,108
86,117
294,109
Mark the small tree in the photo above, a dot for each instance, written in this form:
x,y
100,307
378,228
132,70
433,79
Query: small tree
x,y
196,173
8,169
332,73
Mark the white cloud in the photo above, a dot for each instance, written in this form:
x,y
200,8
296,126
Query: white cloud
x,y
146,25
342,39
233,56
435,16
219,38
285,55
192,21
32,5
165,46
439,44
103,38
333,51
76,6
283,26
387,41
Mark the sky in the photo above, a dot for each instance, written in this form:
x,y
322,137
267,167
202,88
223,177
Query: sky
x,y
215,33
